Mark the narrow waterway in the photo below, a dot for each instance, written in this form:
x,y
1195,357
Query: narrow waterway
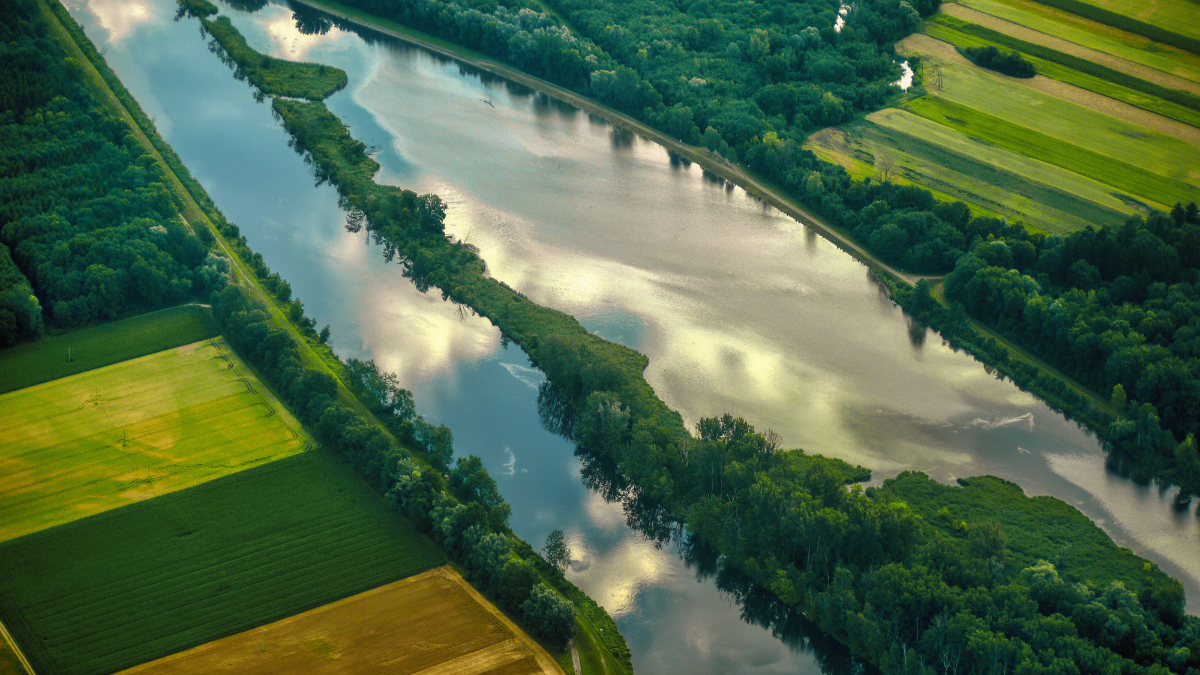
x,y
739,308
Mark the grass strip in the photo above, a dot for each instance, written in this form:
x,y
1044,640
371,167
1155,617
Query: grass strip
x,y
953,30
150,579
991,129
46,359
1126,23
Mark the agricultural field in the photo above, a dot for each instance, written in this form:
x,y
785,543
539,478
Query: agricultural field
x,y
1091,130
433,622
1163,95
133,584
926,153
46,359
141,428
1177,16
1059,29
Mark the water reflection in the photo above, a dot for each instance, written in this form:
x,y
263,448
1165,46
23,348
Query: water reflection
x,y
739,308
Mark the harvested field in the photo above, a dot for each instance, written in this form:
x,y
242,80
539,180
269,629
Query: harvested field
x,y
46,359
141,428
432,623
160,576
1001,181
1160,65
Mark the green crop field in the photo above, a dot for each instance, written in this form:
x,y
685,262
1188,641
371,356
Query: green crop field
x,y
1177,16
1092,35
101,439
46,359
931,155
1184,107
1103,134
137,583
1134,180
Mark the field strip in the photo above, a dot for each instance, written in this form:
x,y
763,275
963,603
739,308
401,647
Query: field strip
x,y
1034,170
1020,188
1027,34
433,623
228,555
82,444
1005,99
928,45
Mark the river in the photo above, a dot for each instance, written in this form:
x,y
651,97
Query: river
x,y
739,308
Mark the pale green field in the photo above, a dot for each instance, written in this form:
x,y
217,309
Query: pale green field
x,y
939,29
1058,118
141,428
1035,171
850,157
1178,16
1093,35
999,181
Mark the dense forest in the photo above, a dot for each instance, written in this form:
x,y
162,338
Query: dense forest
x,y
86,213
20,311
750,81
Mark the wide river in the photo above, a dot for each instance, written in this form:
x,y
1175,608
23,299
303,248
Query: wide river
x,y
739,308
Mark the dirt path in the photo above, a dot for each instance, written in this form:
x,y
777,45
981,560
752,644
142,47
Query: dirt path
x,y
575,658
929,46
1036,37
12,645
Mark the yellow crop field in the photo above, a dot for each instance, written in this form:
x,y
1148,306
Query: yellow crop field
x,y
83,444
433,623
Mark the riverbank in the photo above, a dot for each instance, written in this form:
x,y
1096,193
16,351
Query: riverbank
x,y
713,163
249,273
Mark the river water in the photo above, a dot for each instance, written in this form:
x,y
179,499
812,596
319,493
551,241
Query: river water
x,y
739,308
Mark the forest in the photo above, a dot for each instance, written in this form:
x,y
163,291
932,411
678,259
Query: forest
x,y
86,213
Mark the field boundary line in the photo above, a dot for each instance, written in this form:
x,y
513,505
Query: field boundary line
x,y
545,662
16,648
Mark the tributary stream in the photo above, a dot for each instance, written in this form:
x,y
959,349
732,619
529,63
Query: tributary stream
x,y
739,308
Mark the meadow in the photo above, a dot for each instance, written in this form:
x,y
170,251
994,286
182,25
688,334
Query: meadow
x,y
1173,22
1092,35
1006,183
1008,100
1178,105
1134,180
156,577
433,620
46,359
111,436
